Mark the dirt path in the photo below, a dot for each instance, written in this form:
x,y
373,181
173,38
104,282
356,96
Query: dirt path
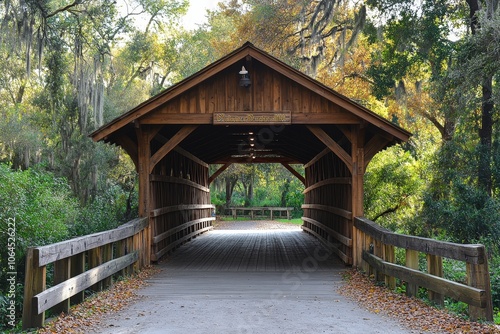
x,y
272,279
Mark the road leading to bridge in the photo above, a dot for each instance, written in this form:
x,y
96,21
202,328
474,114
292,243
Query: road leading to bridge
x,y
248,281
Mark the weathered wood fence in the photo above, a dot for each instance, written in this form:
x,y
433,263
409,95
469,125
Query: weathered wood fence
x,y
254,211
377,248
79,264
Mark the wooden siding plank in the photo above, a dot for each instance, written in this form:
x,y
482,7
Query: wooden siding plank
x,y
180,207
173,179
334,180
338,211
340,237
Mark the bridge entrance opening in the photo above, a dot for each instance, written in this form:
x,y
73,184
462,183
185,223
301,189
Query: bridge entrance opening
x,y
279,116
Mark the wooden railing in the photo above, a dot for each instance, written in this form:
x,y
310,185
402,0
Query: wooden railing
x,y
334,239
79,264
376,246
262,209
176,236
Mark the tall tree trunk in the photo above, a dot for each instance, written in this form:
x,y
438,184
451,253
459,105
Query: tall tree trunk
x,y
486,130
485,135
230,184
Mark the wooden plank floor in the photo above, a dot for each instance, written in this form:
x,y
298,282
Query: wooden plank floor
x,y
256,251
268,281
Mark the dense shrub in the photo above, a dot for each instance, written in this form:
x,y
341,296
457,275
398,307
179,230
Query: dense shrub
x,y
40,206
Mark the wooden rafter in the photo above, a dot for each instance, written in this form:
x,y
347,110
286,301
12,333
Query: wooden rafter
x,y
331,144
218,172
170,145
294,172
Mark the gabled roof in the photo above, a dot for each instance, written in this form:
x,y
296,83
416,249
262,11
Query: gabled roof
x,y
249,50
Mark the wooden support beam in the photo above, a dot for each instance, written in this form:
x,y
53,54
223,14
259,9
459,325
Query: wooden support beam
x,y
218,172
331,144
375,145
170,145
295,173
131,148
317,157
180,150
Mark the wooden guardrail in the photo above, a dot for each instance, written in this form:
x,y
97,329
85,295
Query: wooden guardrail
x,y
262,210
330,237
179,234
79,264
376,246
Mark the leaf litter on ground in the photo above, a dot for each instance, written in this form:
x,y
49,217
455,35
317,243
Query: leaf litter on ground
x,y
87,314
414,313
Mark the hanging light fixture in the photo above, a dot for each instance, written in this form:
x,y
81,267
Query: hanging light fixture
x,y
245,78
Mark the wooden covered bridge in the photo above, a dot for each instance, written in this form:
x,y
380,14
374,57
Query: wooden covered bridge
x,y
272,114
249,107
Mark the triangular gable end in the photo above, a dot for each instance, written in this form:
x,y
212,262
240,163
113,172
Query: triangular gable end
x,y
248,53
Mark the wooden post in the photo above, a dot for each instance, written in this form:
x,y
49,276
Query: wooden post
x,y
130,248
95,259
435,267
62,272
389,256
411,262
378,251
34,283
136,246
478,276
357,191
120,251
107,255
77,267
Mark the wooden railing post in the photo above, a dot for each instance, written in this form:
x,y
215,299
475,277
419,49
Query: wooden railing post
x,y
77,267
479,277
130,248
390,256
35,282
62,272
95,259
107,255
411,262
136,241
435,267
378,251
120,251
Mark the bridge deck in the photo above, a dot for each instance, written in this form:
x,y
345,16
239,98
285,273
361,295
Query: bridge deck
x,y
271,281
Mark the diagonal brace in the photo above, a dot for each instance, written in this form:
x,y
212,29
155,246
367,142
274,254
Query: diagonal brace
x,y
170,145
331,144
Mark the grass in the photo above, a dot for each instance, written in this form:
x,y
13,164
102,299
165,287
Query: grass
x,y
295,221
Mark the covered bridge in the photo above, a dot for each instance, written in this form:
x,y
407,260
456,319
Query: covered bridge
x,y
250,107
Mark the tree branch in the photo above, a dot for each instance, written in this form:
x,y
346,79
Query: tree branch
x,y
63,9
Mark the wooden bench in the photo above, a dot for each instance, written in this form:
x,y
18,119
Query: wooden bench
x,y
262,209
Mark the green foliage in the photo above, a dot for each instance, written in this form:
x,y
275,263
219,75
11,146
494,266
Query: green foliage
x,y
393,189
41,207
